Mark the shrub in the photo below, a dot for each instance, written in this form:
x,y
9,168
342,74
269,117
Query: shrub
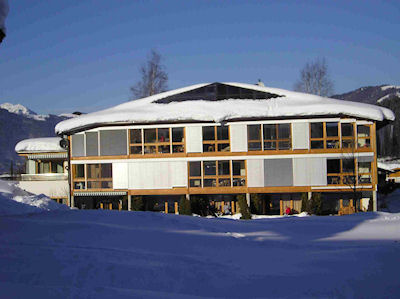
x,y
184,206
137,203
199,205
244,209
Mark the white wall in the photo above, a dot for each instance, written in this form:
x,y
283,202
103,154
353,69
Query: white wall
x,y
238,135
120,175
309,172
194,139
300,135
49,188
255,173
157,175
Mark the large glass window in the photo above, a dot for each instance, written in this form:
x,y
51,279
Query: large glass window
x,y
341,171
363,136
275,137
254,137
364,173
224,173
157,141
99,176
216,139
347,135
326,135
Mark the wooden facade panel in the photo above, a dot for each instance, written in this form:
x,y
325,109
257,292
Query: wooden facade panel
x,y
317,171
194,139
238,136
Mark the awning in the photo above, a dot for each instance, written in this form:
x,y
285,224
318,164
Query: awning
x,y
100,193
48,156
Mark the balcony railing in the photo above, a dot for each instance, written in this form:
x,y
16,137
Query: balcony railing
x,y
44,177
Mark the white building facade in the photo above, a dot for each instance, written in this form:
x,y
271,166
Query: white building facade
x,y
254,143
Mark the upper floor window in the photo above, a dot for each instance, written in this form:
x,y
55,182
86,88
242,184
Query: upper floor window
x,y
363,136
326,135
364,172
224,173
216,139
269,137
157,141
347,130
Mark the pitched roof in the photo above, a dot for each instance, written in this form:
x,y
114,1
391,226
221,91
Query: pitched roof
x,y
201,102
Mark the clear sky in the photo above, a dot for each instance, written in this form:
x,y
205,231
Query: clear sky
x,y
63,56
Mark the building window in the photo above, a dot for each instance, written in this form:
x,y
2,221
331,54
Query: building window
x,y
92,176
364,173
325,135
254,137
347,130
216,139
78,173
363,136
50,167
341,171
157,141
99,176
277,136
224,173
271,137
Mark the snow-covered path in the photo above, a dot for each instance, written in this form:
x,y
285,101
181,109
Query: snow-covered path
x,y
104,254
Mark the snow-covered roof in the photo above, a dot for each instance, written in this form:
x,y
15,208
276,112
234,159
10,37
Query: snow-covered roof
x,y
39,145
389,164
283,103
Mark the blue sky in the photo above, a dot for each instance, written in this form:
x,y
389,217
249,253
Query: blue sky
x,y
63,56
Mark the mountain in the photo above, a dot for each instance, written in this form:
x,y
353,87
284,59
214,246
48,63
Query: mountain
x,y
17,123
388,137
370,94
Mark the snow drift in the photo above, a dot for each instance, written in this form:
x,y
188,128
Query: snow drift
x,y
15,201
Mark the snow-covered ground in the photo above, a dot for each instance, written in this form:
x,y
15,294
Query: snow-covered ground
x,y
111,254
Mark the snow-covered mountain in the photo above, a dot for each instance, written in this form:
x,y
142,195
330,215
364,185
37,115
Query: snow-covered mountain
x,y
17,122
387,96
370,94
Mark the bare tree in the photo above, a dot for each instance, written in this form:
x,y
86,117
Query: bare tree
x,y
154,78
314,79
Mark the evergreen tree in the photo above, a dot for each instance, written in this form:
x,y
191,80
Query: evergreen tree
x,y
244,209
316,204
184,206
199,205
305,203
137,203
255,204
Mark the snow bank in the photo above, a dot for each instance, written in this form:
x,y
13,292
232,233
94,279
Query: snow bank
x,y
48,144
15,201
289,104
